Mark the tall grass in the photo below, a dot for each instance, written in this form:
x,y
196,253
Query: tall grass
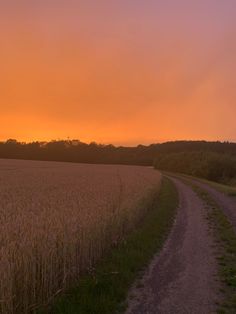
x,y
57,220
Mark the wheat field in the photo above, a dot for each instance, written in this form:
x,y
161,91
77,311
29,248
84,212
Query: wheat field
x,y
58,219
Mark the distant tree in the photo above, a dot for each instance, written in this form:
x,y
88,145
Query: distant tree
x,y
212,160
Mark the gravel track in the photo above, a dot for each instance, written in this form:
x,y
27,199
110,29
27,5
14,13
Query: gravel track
x,y
227,203
182,279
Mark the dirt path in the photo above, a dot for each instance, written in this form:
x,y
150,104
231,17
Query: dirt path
x,y
182,279
227,203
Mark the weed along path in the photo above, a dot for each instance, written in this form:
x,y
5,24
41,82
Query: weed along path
x,y
183,277
227,203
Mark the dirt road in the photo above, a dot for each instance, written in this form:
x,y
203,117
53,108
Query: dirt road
x,y
227,203
182,279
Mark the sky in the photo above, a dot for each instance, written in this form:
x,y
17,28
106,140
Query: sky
x,y
124,72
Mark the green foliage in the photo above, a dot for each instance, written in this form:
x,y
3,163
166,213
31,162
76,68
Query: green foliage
x,y
104,290
208,165
226,242
77,151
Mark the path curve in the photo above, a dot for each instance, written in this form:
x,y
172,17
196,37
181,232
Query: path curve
x,y
182,279
227,203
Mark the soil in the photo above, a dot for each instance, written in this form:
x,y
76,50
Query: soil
x,y
227,203
183,277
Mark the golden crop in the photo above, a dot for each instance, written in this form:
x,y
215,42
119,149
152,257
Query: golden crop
x,y
56,221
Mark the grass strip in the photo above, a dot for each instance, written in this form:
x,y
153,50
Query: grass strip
x,y
105,291
225,238
225,189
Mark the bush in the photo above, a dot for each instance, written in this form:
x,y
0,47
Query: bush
x,y
208,165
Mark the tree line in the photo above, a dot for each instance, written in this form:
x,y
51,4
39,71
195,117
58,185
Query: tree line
x,y
212,160
209,165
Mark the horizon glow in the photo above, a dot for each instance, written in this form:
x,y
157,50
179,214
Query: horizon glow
x,y
121,72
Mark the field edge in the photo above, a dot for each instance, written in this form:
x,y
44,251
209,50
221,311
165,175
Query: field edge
x,y
105,290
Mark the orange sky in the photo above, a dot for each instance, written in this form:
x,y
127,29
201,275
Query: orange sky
x,y
122,72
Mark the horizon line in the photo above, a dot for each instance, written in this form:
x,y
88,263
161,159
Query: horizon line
x,y
116,144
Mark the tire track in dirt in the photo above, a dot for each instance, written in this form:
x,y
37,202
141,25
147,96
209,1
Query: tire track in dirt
x,y
182,279
227,203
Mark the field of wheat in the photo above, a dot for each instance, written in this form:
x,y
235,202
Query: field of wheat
x,y
58,219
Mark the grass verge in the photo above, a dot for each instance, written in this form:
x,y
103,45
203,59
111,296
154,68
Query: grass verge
x,y
105,291
226,189
225,238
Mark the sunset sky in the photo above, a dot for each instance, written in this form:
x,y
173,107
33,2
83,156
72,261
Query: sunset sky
x,y
123,72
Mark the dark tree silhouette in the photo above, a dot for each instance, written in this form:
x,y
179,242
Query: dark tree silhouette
x,y
213,160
